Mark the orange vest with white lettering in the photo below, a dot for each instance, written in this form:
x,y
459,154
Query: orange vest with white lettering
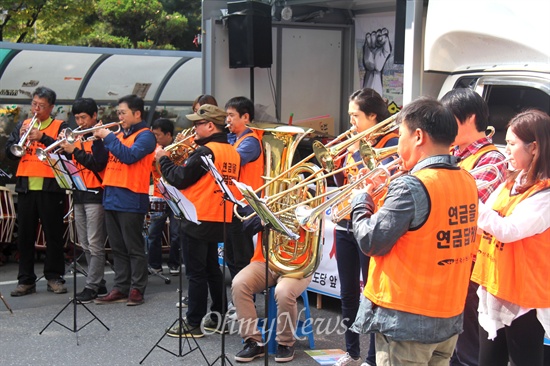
x,y
206,195
89,178
252,172
519,271
30,165
428,269
134,177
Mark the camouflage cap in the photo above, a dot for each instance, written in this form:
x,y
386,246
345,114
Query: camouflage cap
x,y
210,113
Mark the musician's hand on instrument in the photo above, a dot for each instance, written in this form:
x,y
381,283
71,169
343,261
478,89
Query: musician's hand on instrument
x,y
35,134
160,153
101,133
67,147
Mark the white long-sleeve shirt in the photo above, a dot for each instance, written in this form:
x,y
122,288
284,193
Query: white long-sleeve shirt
x,y
530,217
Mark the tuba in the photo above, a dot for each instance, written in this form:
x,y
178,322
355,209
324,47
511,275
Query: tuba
x,y
287,257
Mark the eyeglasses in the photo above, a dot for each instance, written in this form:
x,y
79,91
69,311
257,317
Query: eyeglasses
x,y
195,124
123,112
39,106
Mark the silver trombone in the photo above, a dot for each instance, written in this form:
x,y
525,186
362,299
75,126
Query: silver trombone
x,y
483,184
20,148
71,136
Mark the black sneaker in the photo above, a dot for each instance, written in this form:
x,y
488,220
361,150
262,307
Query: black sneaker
x,y
174,270
250,351
102,291
215,326
86,296
186,331
284,353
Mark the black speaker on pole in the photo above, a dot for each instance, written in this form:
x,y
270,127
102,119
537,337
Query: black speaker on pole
x,y
249,27
399,41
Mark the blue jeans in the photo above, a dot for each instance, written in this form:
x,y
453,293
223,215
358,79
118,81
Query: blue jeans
x,y
351,264
154,240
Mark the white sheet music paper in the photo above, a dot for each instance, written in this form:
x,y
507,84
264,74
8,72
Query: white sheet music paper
x,y
219,179
259,206
178,203
66,173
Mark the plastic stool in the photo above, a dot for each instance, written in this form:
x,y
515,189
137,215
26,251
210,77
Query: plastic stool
x,y
303,328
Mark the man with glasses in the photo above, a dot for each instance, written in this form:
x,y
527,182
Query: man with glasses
x,y
39,197
126,199
201,241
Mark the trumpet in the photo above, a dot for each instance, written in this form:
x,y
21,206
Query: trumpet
x,y
43,153
72,135
483,184
310,218
20,148
326,156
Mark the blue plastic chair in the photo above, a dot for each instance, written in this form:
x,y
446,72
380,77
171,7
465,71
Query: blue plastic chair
x,y
304,328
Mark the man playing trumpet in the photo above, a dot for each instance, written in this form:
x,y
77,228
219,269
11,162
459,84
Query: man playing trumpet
x,y
39,197
88,206
474,149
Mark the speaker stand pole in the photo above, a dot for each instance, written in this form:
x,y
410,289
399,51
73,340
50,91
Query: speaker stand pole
x,y
252,84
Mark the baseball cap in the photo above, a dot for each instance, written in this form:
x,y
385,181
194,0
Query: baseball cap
x,y
210,113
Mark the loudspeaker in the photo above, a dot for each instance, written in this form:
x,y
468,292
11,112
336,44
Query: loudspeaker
x,y
249,28
399,40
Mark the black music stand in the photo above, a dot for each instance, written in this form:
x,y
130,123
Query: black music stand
x,y
227,196
68,177
182,208
271,222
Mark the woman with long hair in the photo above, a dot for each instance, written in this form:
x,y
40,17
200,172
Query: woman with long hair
x,y
366,108
512,267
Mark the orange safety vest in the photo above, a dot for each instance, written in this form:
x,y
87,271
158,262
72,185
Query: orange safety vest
x,y
89,178
205,194
252,172
471,161
30,165
134,177
518,271
156,175
428,269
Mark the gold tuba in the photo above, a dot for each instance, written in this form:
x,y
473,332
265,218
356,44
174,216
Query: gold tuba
x,y
287,257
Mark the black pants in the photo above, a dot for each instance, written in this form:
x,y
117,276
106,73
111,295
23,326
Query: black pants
x,y
204,274
49,207
467,347
239,247
521,343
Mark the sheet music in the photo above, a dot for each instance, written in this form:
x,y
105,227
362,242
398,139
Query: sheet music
x,y
259,206
66,173
219,179
178,203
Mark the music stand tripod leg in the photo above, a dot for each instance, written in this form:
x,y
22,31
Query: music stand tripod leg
x,y
6,303
182,324
223,357
74,301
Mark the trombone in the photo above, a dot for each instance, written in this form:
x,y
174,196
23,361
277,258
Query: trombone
x,y
309,218
326,156
72,135
20,148
483,184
